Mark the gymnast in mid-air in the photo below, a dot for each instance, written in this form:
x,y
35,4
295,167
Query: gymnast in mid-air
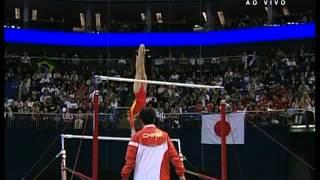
x,y
139,88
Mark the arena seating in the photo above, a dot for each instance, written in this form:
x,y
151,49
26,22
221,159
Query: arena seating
x,y
53,85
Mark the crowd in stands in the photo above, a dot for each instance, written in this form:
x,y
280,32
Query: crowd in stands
x,y
283,81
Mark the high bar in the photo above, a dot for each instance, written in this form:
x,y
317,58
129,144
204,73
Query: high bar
x,y
105,78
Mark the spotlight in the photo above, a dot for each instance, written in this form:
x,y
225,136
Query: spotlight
x,y
82,20
34,14
159,17
98,21
285,11
204,14
221,17
143,16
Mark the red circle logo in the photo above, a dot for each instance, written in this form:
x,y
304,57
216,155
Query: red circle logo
x,y
226,127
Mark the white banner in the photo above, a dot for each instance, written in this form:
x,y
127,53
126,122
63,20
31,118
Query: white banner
x,y
235,128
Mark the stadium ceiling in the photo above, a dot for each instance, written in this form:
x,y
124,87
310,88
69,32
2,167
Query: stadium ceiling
x,y
128,11
179,6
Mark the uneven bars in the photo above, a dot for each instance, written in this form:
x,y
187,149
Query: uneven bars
x,y
105,78
71,136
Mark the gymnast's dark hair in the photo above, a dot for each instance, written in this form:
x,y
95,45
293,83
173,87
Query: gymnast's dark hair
x,y
147,115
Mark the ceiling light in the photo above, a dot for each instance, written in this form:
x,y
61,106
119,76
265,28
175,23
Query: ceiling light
x,y
221,17
285,11
98,21
82,21
159,17
204,14
34,14
143,16
17,13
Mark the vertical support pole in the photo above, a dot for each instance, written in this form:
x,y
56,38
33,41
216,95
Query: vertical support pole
x,y
95,144
148,19
63,159
179,146
88,18
270,15
223,141
202,158
210,16
26,13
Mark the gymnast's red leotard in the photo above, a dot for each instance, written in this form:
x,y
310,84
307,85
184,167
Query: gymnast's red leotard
x,y
139,103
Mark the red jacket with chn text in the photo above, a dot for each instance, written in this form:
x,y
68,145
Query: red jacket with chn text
x,y
149,153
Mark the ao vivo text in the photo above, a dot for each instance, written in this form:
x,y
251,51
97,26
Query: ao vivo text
x,y
265,2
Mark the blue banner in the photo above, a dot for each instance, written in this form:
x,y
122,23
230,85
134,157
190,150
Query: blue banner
x,y
213,38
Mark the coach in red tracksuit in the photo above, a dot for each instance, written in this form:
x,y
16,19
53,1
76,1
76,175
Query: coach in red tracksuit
x,y
150,151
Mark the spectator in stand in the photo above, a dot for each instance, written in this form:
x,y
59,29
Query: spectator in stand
x,y
75,60
54,91
28,103
67,117
199,107
45,89
35,110
9,114
210,107
73,104
174,77
25,59
74,76
45,95
57,75
45,79
19,105
52,106
228,76
114,103
78,123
